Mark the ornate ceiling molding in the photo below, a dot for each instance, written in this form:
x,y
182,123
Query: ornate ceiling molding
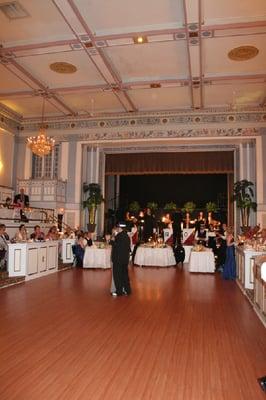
x,y
9,120
149,135
8,113
154,119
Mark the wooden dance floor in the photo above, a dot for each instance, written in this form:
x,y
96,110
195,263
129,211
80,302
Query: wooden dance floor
x,y
178,337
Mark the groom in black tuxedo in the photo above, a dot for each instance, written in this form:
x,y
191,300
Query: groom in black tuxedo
x,y
120,258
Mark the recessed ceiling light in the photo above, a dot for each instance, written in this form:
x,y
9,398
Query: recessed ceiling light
x,y
63,68
140,39
243,53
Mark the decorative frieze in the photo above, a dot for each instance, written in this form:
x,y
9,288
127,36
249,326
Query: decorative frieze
x,y
159,119
124,135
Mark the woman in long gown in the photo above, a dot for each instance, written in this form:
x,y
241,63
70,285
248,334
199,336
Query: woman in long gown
x,y
229,270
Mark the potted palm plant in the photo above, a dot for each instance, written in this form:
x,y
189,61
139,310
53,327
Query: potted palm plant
x,y
188,208
244,197
211,207
134,208
152,206
170,206
93,200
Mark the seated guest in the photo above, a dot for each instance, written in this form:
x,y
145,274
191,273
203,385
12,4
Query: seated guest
x,y
79,250
262,239
201,235
3,247
21,234
88,238
69,234
5,233
52,234
37,235
8,203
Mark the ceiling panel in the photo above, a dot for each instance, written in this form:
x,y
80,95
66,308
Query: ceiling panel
x,y
233,11
9,82
216,61
86,73
118,16
31,107
43,22
161,99
150,61
93,102
234,95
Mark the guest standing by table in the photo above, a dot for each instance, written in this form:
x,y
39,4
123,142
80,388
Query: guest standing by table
x,y
149,225
201,235
229,270
120,259
177,231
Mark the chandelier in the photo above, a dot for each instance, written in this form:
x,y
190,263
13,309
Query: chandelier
x,y
41,145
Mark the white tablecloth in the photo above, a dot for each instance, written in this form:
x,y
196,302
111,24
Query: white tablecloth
x,y
201,261
159,257
263,272
97,258
187,253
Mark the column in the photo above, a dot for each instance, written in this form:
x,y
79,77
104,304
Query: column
x,y
97,165
241,163
64,160
117,191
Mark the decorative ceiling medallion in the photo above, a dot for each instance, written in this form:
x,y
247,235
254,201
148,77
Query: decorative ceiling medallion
x,y
63,68
243,53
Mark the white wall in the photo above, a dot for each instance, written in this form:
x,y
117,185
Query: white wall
x,y
6,157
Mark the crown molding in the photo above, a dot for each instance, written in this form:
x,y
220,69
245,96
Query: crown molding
x,y
10,114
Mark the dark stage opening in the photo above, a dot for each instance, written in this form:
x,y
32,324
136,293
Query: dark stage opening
x,y
179,188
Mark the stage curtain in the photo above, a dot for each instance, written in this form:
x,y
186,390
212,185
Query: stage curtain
x,y
170,163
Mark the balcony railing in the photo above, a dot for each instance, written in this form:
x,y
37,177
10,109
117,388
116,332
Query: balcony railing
x,y
44,190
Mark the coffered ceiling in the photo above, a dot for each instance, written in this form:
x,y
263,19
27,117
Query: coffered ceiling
x,y
182,63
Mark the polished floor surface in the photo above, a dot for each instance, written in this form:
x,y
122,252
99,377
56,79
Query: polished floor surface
x,y
179,336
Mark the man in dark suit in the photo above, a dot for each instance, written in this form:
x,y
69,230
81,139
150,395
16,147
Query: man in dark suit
x,y
177,232
149,225
120,258
23,201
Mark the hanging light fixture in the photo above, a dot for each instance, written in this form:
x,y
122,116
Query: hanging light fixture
x,y
41,145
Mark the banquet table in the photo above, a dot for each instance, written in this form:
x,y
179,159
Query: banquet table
x,y
201,261
155,256
96,257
